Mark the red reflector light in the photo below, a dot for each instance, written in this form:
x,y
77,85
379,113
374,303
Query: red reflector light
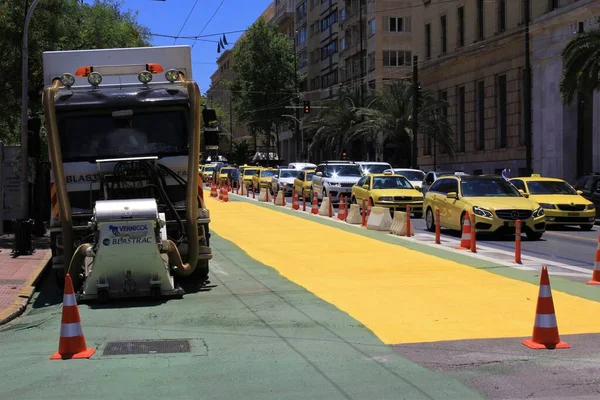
x,y
82,72
154,68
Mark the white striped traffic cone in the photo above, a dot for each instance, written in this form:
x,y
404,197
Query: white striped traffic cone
x,y
465,240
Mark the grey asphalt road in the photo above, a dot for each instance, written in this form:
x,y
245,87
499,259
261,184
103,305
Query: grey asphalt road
x,y
564,245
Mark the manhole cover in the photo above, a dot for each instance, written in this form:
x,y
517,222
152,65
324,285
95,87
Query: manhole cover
x,y
161,346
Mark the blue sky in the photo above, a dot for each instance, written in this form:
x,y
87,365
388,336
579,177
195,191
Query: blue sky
x,y
167,18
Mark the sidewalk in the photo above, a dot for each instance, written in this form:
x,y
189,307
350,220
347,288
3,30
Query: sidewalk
x,y
18,276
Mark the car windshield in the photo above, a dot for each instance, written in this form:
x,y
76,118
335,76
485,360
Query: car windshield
x,y
375,168
343,170
391,182
289,173
486,187
309,176
226,170
268,173
550,187
209,169
250,171
411,175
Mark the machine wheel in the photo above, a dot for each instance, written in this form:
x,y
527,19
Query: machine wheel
x,y
586,227
531,235
200,274
429,220
103,296
155,293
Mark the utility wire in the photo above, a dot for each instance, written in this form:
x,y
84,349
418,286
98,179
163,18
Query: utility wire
x,y
209,21
185,22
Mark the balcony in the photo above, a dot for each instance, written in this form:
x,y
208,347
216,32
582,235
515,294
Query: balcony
x,y
352,16
353,48
284,10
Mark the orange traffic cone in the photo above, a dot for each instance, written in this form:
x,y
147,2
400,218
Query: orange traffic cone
x,y
220,192
342,209
295,201
545,329
226,195
465,240
213,190
72,342
315,205
596,274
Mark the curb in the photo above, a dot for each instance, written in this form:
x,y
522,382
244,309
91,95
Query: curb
x,y
19,305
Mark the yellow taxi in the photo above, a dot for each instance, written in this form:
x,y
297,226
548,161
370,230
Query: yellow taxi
x,y
247,173
224,173
303,182
262,178
494,201
562,204
206,171
388,190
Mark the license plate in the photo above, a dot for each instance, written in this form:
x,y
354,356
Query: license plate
x,y
573,214
512,224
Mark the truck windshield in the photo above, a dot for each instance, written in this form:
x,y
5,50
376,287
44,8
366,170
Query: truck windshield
x,y
97,136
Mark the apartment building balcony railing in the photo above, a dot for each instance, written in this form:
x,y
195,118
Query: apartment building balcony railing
x,y
284,10
352,17
353,48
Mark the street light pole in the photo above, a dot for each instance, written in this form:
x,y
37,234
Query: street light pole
x,y
23,181
297,96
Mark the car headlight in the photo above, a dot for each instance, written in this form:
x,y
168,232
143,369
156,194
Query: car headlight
x,y
335,184
386,198
482,212
538,213
548,206
590,207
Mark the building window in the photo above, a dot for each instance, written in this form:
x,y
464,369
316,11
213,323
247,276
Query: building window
x,y
444,36
501,106
329,49
343,44
303,56
480,30
552,5
428,41
397,24
301,35
371,27
329,79
396,58
371,61
461,27
301,11
460,131
329,21
501,15
480,142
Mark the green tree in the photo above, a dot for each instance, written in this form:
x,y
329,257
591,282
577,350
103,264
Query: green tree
x,y
389,118
56,25
581,65
265,78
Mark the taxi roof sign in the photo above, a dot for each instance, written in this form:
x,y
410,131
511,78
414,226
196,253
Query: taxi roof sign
x,y
387,172
536,176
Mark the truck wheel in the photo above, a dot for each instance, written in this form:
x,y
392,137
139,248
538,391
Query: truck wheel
x,y
200,274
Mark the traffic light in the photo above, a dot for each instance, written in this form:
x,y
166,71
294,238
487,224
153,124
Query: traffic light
x,y
306,107
344,156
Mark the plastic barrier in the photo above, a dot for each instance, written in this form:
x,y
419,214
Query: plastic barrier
x,y
324,209
243,190
262,195
399,225
280,199
379,219
354,216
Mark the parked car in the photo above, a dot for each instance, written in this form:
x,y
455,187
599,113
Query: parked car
x,y
284,180
590,189
433,175
303,183
333,178
371,167
302,166
388,190
414,176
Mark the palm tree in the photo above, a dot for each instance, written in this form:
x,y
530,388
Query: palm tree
x,y
389,117
581,65
332,126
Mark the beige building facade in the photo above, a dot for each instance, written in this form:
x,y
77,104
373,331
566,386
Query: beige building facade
x,y
472,53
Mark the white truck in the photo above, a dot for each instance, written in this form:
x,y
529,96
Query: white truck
x,y
128,216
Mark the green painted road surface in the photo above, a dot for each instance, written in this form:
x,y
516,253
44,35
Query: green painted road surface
x,y
254,335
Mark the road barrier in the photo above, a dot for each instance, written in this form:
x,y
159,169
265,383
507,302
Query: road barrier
x,y
465,240
518,241
342,209
226,195
304,201
545,328
263,195
295,201
379,219
71,344
473,234
399,225
325,203
438,227
363,213
408,224
213,190
279,199
315,204
220,192
354,215
596,274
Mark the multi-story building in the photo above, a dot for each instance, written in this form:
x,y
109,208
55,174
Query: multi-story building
x,y
472,54
566,138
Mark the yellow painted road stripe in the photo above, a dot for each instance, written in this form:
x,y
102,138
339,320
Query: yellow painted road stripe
x,y
402,295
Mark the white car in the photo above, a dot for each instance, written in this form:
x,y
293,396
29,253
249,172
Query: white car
x,y
373,167
301,166
285,180
414,176
334,178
